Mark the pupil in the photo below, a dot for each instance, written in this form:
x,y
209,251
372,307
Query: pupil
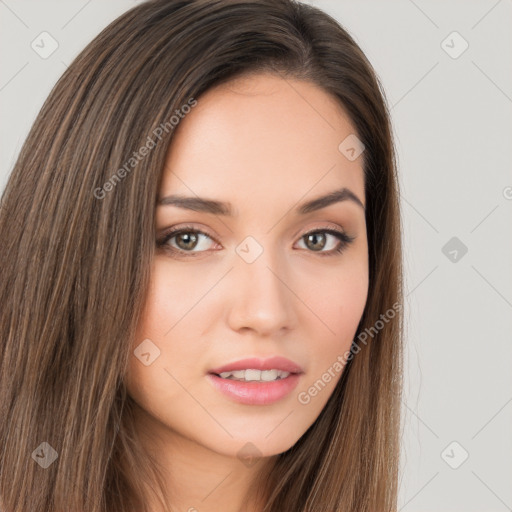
x,y
189,236
315,237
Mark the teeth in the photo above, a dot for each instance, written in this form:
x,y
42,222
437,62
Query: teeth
x,y
258,375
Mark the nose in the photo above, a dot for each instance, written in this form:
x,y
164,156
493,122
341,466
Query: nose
x,y
262,299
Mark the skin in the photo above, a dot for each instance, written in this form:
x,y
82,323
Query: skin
x,y
265,145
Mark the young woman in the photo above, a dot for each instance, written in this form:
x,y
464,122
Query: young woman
x,y
201,272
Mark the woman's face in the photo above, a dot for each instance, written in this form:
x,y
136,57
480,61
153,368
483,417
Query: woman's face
x,y
253,285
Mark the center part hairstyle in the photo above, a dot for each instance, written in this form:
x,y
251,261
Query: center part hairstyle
x,y
78,236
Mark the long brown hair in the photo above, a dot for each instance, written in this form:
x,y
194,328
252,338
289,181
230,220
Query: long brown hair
x,y
78,239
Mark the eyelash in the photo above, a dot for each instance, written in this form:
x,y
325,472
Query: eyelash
x,y
345,240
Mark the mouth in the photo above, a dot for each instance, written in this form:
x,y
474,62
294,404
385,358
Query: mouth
x,y
256,382
252,375
258,369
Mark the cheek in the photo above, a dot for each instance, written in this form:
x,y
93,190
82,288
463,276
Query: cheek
x,y
162,339
175,307
337,295
342,304
338,301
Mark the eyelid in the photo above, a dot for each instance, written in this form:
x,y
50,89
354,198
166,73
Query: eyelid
x,y
185,228
323,225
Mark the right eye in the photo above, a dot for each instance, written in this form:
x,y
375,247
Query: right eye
x,y
187,239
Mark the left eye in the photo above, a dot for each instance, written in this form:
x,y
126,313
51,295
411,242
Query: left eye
x,y
188,239
311,239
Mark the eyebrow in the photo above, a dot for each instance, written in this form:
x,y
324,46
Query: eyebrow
x,y
199,204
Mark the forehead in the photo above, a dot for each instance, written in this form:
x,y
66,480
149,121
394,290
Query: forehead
x,y
262,138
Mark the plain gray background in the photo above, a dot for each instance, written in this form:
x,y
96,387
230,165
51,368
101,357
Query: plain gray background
x,y
452,118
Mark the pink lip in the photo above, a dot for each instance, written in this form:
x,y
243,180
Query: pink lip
x,y
255,393
273,363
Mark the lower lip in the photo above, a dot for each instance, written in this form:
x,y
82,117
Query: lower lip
x,y
255,393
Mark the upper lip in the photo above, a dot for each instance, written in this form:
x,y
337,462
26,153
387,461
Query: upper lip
x,y
272,363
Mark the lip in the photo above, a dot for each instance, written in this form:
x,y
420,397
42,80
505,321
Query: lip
x,y
272,363
255,393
